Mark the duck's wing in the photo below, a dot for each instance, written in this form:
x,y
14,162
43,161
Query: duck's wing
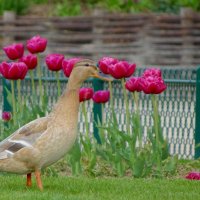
x,y
26,136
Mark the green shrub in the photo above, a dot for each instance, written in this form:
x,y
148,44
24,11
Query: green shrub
x,y
19,6
68,8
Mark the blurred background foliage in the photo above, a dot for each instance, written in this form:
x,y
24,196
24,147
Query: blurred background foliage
x,y
86,7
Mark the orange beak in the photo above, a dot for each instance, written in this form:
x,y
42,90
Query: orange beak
x,y
97,75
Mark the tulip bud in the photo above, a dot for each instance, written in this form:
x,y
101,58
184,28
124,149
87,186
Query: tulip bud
x,y
152,85
85,94
193,176
101,96
13,70
30,60
6,116
122,69
68,64
152,72
133,84
36,44
54,61
105,62
14,51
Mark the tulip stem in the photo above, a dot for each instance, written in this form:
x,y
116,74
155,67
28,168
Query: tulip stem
x,y
13,101
32,82
40,79
102,111
111,100
156,129
58,82
86,120
19,93
126,105
19,90
137,112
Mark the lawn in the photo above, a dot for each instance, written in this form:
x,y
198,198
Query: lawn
x,y
12,187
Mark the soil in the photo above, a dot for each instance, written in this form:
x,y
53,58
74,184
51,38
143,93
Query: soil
x,y
42,10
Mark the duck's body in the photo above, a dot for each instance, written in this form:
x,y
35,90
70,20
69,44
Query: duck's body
x,y
50,140
44,141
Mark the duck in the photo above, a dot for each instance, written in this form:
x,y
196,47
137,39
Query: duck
x,y
45,140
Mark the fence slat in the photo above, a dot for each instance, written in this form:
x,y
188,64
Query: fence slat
x,y
97,110
197,129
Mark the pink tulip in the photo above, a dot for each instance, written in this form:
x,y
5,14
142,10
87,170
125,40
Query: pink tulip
x,y
122,69
133,84
54,61
152,72
6,116
85,94
101,96
68,64
14,51
152,85
193,176
36,44
13,70
105,62
30,60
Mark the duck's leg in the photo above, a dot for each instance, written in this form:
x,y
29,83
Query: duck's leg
x,y
28,180
38,180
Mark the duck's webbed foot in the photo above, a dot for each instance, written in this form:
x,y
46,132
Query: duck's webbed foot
x,y
28,180
38,180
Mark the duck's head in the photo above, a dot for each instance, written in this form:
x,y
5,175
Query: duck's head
x,y
83,70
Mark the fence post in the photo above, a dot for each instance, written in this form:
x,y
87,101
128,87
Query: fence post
x,y
98,21
97,109
6,87
197,128
9,18
187,16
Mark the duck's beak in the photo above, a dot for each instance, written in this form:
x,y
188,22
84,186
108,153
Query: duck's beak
x,y
101,76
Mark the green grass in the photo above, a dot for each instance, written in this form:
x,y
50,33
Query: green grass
x,y
12,187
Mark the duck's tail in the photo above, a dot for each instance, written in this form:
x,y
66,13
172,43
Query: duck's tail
x,y
12,166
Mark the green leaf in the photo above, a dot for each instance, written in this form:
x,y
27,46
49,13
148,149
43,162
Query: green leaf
x,y
138,166
170,164
9,96
197,146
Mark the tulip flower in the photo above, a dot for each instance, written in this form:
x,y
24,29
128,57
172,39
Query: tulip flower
x,y
85,94
54,61
101,96
14,51
68,64
193,176
30,60
105,62
6,116
13,70
122,69
152,72
133,84
36,44
152,85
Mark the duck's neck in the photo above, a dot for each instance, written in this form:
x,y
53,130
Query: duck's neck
x,y
73,84
67,107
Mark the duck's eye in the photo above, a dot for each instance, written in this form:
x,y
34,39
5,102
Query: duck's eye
x,y
87,65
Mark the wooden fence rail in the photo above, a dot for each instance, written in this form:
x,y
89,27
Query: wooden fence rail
x,y
147,39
